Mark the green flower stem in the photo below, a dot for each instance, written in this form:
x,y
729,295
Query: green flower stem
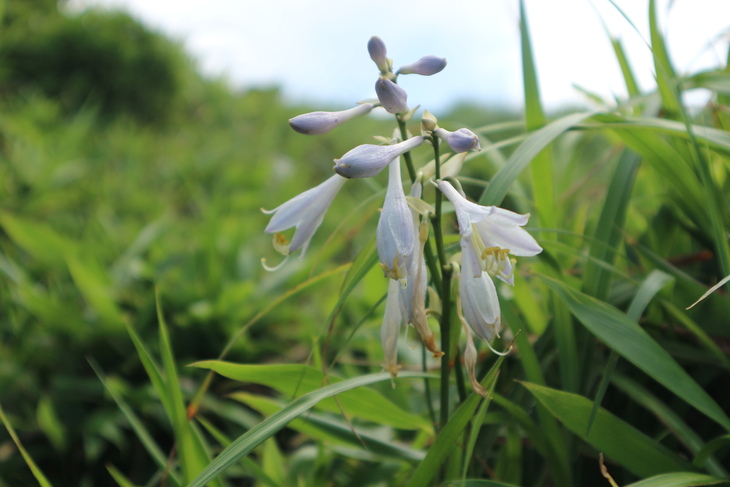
x,y
446,272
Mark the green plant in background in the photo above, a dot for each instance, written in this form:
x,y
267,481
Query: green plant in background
x,y
610,380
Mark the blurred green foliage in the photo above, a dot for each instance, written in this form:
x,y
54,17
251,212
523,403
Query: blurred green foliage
x,y
103,60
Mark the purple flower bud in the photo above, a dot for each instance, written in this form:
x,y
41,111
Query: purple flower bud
x,y
392,97
368,160
463,140
320,122
378,53
426,66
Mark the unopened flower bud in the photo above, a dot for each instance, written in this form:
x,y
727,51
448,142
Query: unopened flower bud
x,y
320,122
392,97
426,66
463,140
429,123
368,160
378,53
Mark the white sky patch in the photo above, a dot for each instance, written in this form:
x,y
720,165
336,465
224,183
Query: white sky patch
x,y
316,50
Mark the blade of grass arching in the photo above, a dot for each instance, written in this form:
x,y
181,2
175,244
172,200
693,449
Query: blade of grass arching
x,y
525,153
152,369
194,404
37,473
699,333
478,483
447,437
706,453
679,479
608,232
617,439
137,426
543,186
190,459
294,379
631,86
261,432
665,77
654,282
118,477
256,471
323,428
476,425
668,417
629,340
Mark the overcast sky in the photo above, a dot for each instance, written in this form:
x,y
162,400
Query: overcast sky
x,y
316,49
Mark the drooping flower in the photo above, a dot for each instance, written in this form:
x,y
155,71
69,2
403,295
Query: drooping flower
x,y
368,160
395,237
391,96
489,234
315,123
426,66
305,212
462,140
378,53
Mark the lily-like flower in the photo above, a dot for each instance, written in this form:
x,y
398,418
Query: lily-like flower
x,y
488,236
426,66
378,53
305,212
368,160
394,235
315,123
392,97
463,140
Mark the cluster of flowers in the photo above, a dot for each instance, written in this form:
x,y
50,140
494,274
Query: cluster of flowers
x,y
488,234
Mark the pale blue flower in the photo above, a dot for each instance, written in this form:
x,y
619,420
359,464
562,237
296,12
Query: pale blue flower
x,y
394,235
378,53
368,160
426,66
315,123
463,140
391,96
305,212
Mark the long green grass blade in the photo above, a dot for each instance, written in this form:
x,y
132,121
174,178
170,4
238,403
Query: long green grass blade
x,y
145,437
260,433
37,472
617,439
443,447
664,72
629,340
293,380
706,453
525,153
327,429
679,479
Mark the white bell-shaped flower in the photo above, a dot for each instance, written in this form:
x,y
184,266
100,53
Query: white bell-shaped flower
x,y
305,212
395,237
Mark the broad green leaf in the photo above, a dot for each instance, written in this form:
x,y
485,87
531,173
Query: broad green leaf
x,y
327,429
37,473
679,479
629,340
293,380
617,439
258,434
